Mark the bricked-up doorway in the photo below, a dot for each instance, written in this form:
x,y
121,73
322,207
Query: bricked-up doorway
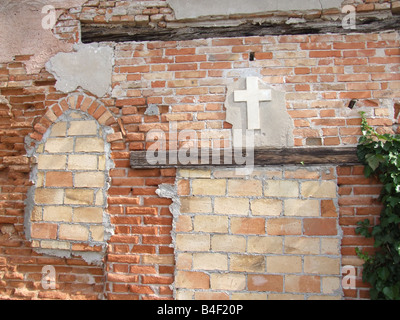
x,y
66,211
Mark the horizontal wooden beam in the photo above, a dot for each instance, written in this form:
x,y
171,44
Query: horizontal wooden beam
x,y
258,157
125,32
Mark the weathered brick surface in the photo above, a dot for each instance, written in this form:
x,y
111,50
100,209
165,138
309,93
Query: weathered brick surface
x,y
273,240
187,80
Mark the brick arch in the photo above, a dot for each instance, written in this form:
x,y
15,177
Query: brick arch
x,y
79,101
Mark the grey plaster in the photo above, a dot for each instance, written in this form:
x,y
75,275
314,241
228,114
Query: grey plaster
x,y
90,68
170,191
152,110
276,124
192,9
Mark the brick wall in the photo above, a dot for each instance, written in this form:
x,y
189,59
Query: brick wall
x,y
271,235
187,80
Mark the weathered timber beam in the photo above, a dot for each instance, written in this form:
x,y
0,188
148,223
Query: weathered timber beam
x,y
125,32
258,157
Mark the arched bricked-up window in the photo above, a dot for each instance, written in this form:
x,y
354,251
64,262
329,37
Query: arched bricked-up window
x,y
67,203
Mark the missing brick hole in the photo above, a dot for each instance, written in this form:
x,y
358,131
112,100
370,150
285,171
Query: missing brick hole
x,y
252,56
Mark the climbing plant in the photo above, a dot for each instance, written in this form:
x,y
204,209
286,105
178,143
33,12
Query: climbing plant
x,y
380,154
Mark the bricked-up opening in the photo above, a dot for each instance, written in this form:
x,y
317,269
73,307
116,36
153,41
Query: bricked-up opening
x,y
68,199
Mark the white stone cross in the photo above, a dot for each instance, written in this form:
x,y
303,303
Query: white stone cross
x,y
253,95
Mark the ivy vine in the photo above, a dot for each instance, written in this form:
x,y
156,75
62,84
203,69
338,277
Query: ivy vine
x,y
380,155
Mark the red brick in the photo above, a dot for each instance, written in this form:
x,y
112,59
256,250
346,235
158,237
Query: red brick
x,y
59,179
320,227
44,231
262,282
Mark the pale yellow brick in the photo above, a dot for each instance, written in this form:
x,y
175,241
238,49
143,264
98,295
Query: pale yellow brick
x,y
210,261
247,263
59,213
228,243
249,296
88,214
267,173
316,189
36,214
40,180
192,280
82,162
58,245
49,196
330,246
325,297
97,233
184,261
266,207
302,245
228,173
284,264
184,294
209,223
215,187
331,285
89,145
193,242
301,208
102,163
59,145
89,180
281,188
82,128
245,188
264,244
52,162
40,148
99,199
231,206
35,244
81,196
59,129
195,173
228,281
285,296
184,224
73,232
195,205
321,265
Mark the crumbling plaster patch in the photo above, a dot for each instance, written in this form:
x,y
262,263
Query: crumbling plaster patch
x,y
90,68
22,32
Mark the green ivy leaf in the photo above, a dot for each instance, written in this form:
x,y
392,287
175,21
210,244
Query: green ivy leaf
x,y
383,273
374,160
380,155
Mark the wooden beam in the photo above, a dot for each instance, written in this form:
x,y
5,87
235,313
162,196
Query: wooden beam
x,y
262,157
125,32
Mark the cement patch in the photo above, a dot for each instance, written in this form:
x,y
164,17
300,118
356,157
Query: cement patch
x,y
276,124
90,68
